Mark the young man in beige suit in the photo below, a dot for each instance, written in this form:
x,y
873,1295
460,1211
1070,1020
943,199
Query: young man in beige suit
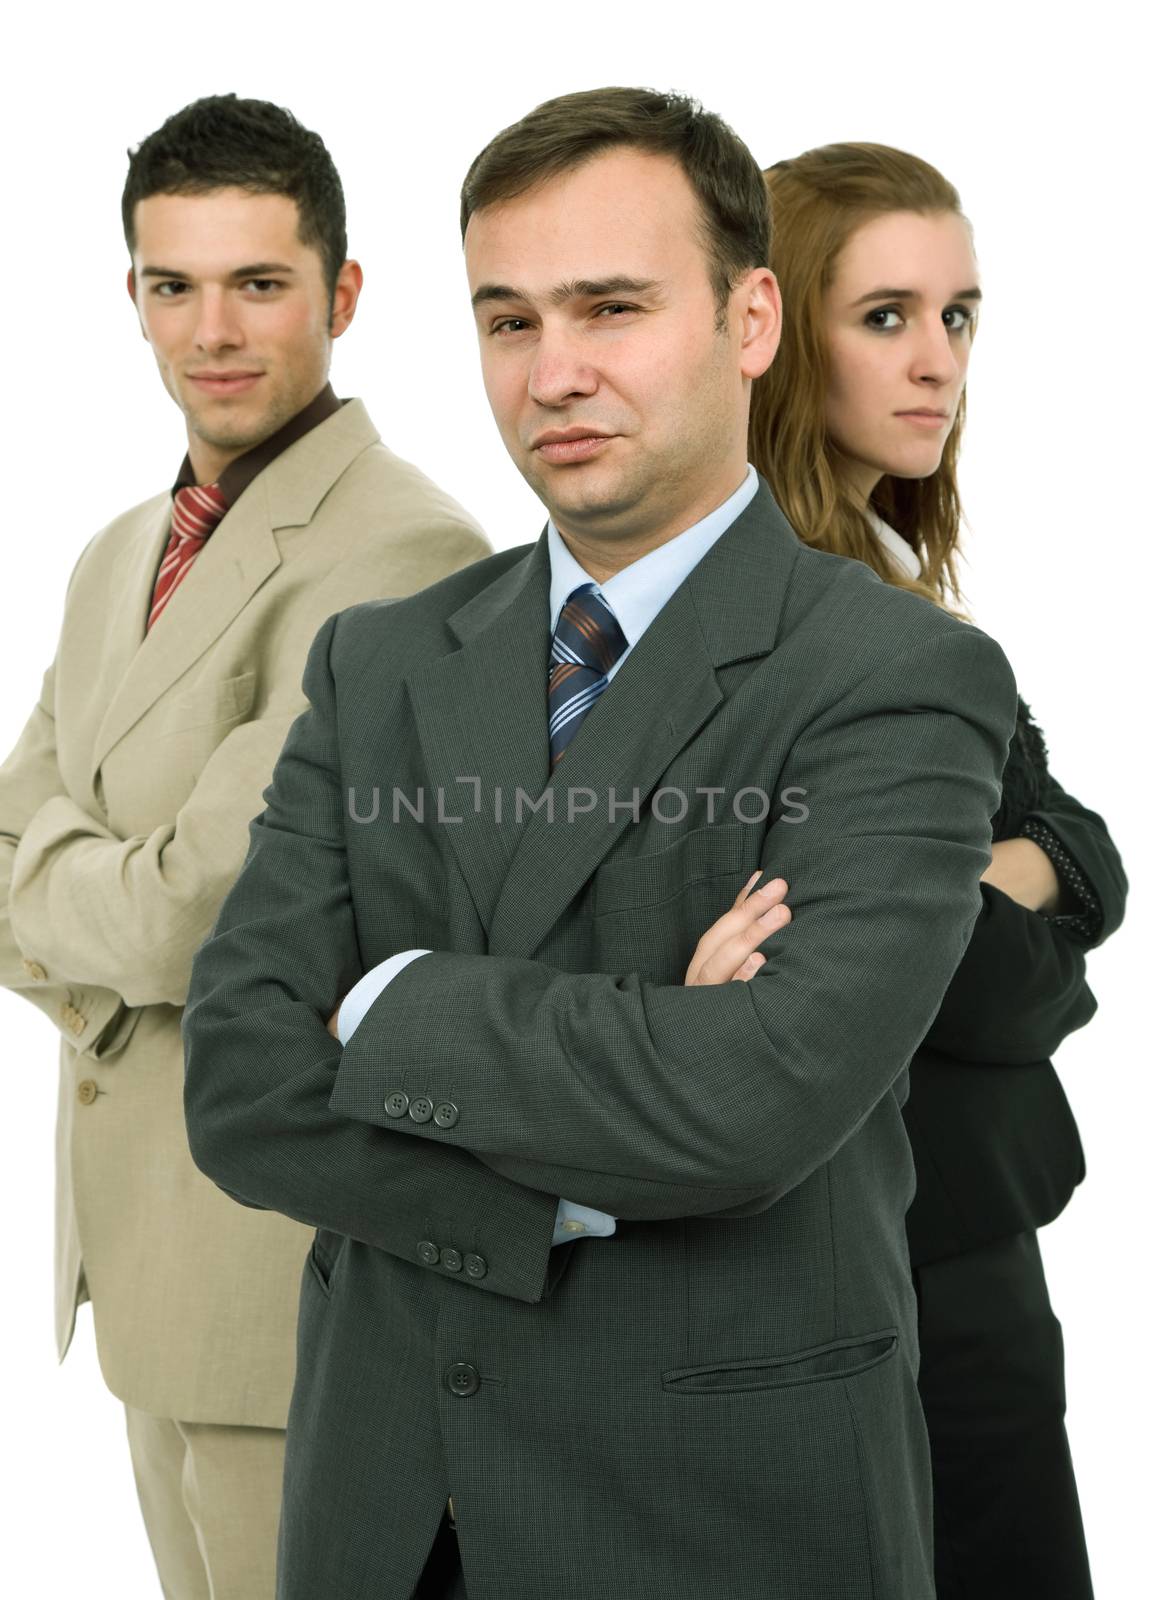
x,y
124,806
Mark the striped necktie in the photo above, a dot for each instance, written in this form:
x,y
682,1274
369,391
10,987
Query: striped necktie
x,y
586,644
195,513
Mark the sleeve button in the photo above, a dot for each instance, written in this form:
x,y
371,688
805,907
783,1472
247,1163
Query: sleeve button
x,y
421,1109
474,1266
446,1115
395,1104
428,1252
451,1259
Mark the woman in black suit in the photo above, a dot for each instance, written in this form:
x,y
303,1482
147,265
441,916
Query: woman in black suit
x,y
856,428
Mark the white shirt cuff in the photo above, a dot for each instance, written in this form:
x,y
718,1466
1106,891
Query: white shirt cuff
x,y
580,1222
371,985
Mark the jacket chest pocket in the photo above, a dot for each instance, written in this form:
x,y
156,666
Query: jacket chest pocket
x,y
224,700
651,910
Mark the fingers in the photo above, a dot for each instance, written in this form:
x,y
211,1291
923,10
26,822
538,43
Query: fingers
x,y
727,950
749,903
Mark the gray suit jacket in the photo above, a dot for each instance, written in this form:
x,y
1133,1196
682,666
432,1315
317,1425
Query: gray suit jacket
x,y
721,1399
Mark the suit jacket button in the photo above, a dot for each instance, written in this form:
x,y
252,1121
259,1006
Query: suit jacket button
x,y
446,1115
420,1110
395,1104
86,1092
428,1252
451,1259
461,1379
474,1266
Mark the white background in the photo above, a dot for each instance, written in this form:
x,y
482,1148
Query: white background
x,y
1030,117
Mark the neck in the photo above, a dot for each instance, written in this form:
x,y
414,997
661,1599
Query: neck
x,y
210,463
602,556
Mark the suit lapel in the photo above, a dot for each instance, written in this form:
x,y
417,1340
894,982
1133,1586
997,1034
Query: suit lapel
x,y
235,561
482,713
239,557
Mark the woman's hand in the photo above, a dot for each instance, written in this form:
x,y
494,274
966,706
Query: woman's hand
x,y
1023,871
728,950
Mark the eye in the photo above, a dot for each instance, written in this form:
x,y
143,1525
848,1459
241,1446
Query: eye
x,y
959,318
170,288
614,305
879,319
263,286
509,325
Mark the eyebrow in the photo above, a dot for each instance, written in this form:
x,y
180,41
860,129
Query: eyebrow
x,y
260,269
575,289
911,294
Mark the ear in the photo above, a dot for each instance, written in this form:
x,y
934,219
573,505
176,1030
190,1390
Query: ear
x,y
759,318
346,297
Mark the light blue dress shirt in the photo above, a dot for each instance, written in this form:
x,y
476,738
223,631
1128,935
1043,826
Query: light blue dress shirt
x,y
636,595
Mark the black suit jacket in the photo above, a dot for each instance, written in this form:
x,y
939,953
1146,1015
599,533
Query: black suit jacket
x,y
995,1144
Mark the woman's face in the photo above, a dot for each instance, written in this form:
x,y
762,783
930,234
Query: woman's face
x,y
899,316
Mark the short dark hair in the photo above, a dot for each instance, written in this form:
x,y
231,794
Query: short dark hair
x,y
223,142
563,133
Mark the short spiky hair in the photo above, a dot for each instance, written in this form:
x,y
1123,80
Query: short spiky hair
x,y
223,142
561,134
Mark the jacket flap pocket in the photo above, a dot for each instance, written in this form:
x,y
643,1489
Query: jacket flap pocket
x,y
845,1358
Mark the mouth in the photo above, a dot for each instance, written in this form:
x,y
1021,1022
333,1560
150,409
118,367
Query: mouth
x,y
570,445
224,383
924,418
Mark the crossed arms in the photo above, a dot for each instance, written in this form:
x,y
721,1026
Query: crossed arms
x,y
644,1100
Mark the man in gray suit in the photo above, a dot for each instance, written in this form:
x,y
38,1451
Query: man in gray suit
x,y
521,932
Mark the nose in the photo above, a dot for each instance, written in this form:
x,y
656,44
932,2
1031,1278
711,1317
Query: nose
x,y
934,358
217,325
559,370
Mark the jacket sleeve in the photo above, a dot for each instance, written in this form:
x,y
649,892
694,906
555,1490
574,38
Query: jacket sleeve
x,y
260,1064
1018,992
93,1018
129,914
647,1100
1020,988
1085,838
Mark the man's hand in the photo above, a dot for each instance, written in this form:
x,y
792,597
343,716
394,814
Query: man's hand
x,y
333,1020
1022,870
728,950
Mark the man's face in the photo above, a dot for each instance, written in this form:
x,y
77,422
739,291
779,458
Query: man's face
x,y
237,313
618,400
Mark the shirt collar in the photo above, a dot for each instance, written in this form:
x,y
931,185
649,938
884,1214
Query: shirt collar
x,y
234,479
892,542
638,593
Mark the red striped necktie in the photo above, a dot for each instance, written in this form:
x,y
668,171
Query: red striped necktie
x,y
195,513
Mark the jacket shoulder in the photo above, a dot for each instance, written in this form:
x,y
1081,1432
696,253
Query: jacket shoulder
x,y
873,622
397,491
415,628
106,545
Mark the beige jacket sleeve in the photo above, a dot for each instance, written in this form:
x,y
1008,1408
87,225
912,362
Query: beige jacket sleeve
x,y
92,1018
129,914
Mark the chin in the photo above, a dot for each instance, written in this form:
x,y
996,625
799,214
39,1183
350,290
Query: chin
x,y
919,467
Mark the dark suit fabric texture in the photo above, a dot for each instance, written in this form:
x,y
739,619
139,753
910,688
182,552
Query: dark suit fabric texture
x,y
722,1397
997,1155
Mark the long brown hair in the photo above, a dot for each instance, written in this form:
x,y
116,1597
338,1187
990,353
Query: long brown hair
x,y
818,201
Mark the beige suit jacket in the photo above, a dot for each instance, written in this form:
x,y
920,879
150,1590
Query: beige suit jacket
x,y
124,812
